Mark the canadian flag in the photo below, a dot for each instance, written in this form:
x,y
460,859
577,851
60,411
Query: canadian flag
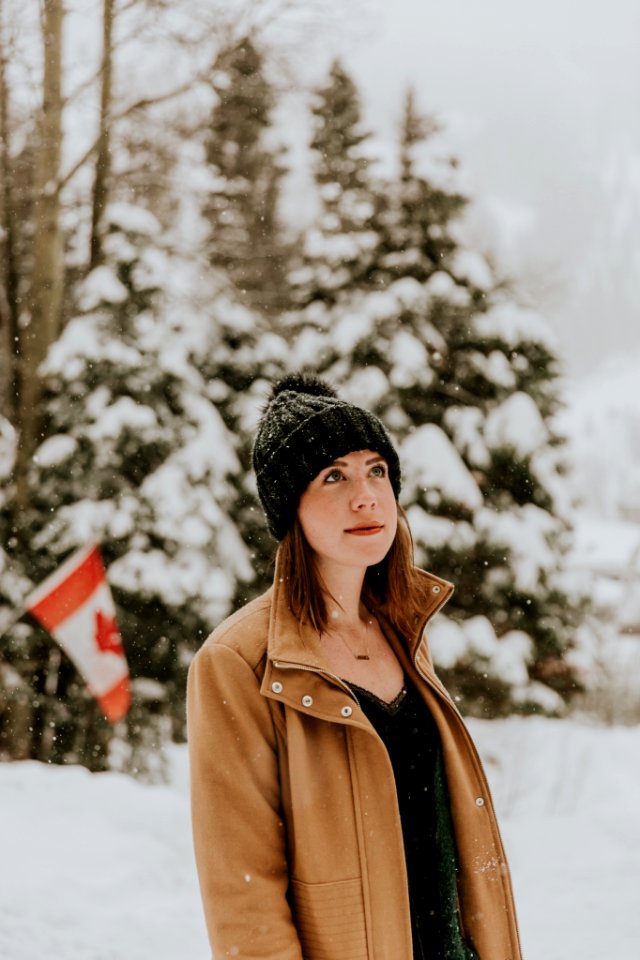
x,y
75,605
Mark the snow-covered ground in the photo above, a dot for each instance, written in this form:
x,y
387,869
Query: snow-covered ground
x,y
99,867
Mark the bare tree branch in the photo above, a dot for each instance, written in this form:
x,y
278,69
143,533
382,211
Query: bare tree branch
x,y
110,122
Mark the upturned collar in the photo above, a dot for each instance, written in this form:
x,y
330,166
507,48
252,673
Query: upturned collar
x,y
294,642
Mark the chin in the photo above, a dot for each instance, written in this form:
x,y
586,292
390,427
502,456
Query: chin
x,y
372,553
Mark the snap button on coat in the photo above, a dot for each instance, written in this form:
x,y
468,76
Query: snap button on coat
x,y
307,701
479,802
276,686
346,711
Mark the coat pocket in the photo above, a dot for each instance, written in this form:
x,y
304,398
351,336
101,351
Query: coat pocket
x,y
330,921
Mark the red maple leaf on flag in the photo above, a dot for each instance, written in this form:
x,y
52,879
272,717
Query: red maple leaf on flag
x,y
107,634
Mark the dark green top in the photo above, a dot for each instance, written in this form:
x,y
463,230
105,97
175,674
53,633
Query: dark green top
x,y
411,737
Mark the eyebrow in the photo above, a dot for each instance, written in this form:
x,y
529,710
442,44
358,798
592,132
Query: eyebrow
x,y
367,463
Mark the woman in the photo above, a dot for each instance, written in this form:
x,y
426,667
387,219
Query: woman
x,y
340,811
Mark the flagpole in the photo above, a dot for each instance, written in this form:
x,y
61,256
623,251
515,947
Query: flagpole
x,y
51,683
53,674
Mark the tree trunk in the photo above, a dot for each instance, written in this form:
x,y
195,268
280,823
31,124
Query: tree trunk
x,y
103,152
8,261
44,301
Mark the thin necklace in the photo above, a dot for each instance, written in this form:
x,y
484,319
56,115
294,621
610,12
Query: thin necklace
x,y
359,656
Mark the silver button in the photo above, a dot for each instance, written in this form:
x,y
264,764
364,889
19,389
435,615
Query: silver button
x,y
276,686
479,801
307,701
346,711
435,589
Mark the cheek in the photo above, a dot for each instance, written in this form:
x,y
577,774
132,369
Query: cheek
x,y
392,525
390,506
312,519
308,528
390,509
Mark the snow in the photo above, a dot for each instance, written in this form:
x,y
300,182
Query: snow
x,y
609,547
441,286
525,531
431,462
435,532
601,420
101,287
55,449
470,265
516,424
124,414
466,425
130,218
567,795
177,578
366,387
607,553
349,329
338,248
474,643
515,650
447,642
83,337
7,447
410,361
515,325
100,866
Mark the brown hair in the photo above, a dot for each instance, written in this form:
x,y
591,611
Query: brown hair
x,y
389,586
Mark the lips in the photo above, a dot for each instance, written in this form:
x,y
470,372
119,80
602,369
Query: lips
x,y
366,529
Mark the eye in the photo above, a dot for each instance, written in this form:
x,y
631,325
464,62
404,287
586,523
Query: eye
x,y
333,476
378,470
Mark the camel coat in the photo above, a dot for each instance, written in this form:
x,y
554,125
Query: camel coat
x,y
296,827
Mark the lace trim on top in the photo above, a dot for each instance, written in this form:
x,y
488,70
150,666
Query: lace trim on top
x,y
389,706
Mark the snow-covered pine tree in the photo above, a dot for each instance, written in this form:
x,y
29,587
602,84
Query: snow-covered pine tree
x,y
248,356
245,237
339,248
414,219
136,457
429,338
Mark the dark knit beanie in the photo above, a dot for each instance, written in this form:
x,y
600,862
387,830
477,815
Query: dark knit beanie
x,y
305,427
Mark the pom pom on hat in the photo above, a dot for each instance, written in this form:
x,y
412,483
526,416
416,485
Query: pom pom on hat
x,y
302,383
304,427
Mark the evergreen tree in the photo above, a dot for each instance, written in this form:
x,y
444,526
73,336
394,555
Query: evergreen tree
x,y
340,248
428,338
414,222
247,357
137,458
244,188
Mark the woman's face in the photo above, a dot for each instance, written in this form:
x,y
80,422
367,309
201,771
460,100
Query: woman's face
x,y
348,512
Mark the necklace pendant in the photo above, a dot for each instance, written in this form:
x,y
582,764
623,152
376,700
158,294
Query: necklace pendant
x,y
362,656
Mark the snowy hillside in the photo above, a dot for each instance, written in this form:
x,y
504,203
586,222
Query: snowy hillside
x,y
99,867
602,423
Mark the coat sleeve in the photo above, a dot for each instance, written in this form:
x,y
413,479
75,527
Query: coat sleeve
x,y
239,836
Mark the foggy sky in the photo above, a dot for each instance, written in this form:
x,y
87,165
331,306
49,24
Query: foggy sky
x,y
541,103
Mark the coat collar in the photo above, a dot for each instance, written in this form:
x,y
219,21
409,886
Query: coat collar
x,y
292,642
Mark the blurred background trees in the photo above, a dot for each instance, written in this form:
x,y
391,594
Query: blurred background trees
x,y
152,285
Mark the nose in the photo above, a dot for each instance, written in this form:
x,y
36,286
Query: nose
x,y
364,497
